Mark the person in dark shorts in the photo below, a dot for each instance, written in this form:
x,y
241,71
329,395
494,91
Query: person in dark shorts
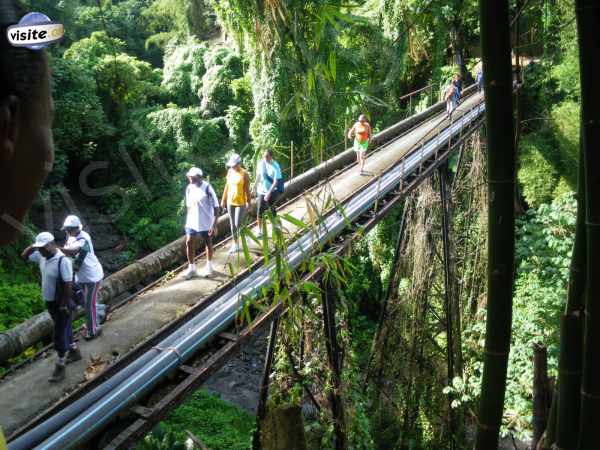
x,y
201,222
57,287
268,178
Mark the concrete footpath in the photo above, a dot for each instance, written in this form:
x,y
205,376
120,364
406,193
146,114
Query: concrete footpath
x,y
26,393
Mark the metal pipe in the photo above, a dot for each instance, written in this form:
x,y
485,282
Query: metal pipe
x,y
75,423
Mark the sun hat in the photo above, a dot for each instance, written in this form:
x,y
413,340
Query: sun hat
x,y
72,222
194,172
234,160
43,239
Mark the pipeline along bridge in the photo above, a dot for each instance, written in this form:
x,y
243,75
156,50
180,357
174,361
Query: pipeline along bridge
x,y
173,335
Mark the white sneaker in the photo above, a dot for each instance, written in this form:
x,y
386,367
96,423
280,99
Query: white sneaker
x,y
208,270
190,273
234,248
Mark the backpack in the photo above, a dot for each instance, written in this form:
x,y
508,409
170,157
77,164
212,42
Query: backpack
x,y
77,297
280,184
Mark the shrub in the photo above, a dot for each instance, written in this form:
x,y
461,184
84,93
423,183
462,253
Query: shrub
x,y
565,119
183,71
537,176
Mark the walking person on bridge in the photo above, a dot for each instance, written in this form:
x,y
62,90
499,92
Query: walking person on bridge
x,y
458,83
361,131
202,213
236,198
269,186
57,289
88,274
451,98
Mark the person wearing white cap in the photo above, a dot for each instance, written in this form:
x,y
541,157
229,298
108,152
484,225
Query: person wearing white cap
x,y
88,273
57,289
236,198
201,221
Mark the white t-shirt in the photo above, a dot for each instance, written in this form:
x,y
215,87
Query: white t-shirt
x,y
200,206
90,269
49,270
272,170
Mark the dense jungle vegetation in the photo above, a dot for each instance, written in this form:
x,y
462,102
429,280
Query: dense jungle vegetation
x,y
144,89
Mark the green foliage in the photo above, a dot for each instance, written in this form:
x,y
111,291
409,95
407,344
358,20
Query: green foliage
x,y
543,250
20,295
79,120
537,176
183,71
565,118
222,67
89,50
219,425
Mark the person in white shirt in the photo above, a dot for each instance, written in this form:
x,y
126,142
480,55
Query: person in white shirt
x,y
88,273
57,288
269,184
201,221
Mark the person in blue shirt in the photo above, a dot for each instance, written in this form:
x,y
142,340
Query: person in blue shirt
x,y
268,177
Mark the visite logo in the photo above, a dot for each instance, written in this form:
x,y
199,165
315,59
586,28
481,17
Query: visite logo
x,y
35,31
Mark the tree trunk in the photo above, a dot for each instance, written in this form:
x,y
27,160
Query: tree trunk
x,y
571,332
283,429
540,392
588,18
495,46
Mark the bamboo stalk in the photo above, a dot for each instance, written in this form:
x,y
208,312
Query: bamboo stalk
x,y
588,18
571,331
540,392
495,49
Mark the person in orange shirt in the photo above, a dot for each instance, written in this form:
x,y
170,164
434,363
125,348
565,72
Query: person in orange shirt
x,y
361,131
236,198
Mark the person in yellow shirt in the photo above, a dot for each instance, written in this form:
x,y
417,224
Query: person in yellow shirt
x,y
236,198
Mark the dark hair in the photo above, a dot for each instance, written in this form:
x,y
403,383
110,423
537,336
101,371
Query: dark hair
x,y
22,69
268,152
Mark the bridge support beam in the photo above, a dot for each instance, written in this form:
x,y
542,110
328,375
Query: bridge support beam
x,y
448,299
261,409
329,299
392,283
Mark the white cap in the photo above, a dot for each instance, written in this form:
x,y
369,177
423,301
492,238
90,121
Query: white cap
x,y
194,172
234,160
43,239
72,222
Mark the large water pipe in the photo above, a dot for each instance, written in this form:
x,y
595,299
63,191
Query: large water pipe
x,y
16,340
82,419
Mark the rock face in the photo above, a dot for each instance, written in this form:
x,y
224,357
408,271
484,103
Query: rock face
x,y
238,381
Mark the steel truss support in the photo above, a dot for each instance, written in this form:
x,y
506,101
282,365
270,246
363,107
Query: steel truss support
x,y
448,298
261,409
328,300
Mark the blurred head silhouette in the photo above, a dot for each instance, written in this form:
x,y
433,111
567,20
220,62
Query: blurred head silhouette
x,y
26,149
